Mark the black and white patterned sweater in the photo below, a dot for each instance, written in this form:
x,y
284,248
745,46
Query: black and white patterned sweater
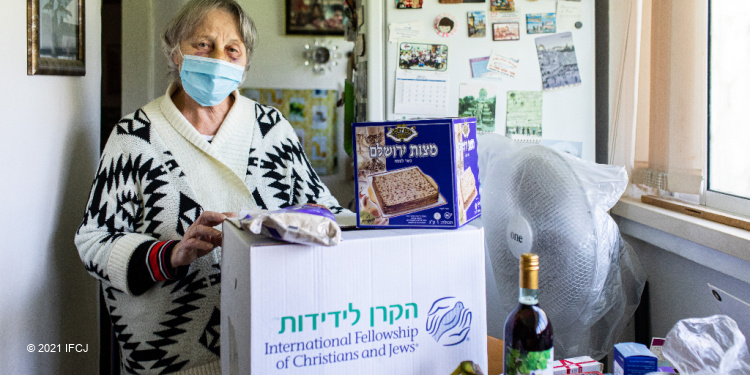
x,y
156,175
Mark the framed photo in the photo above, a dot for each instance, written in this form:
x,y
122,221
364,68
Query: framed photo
x,y
315,17
506,31
55,37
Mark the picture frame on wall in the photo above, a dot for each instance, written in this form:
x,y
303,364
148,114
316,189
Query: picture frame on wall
x,y
315,17
55,37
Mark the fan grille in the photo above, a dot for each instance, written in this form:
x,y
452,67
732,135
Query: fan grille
x,y
543,189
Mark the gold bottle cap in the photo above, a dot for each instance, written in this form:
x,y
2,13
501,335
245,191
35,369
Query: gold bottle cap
x,y
529,276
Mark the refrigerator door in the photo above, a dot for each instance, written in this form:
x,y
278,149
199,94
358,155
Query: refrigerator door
x,y
568,112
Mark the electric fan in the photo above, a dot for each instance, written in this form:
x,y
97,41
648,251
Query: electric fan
x,y
538,200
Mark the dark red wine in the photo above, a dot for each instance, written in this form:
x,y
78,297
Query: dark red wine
x,y
528,332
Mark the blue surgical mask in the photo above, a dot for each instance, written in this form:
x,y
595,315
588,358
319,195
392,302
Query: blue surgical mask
x,y
209,81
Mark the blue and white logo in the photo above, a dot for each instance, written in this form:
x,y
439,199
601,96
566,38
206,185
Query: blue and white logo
x,y
449,321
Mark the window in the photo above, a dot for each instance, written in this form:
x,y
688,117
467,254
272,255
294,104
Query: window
x,y
728,162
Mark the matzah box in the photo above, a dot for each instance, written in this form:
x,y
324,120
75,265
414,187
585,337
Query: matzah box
x,y
417,173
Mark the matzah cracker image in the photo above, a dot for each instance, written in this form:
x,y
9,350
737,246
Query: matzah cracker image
x,y
459,150
403,190
468,187
370,136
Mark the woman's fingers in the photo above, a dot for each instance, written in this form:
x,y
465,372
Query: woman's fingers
x,y
204,232
210,218
199,239
203,227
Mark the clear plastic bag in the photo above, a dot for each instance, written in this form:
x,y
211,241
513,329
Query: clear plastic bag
x,y
703,346
306,224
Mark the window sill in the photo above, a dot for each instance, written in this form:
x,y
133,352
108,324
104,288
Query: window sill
x,y
720,247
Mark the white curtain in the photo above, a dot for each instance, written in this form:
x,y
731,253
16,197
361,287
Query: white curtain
x,y
658,94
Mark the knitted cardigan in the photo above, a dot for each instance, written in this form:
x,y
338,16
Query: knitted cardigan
x,y
156,175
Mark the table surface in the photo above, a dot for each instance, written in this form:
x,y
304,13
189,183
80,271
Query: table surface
x,y
494,355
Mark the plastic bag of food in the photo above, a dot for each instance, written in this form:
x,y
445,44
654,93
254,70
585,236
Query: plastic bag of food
x,y
306,224
703,346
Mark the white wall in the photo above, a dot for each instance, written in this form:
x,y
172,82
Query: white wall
x,y
679,270
137,54
144,68
277,63
49,150
278,60
678,287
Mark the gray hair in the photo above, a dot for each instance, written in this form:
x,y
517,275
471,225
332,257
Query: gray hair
x,y
191,15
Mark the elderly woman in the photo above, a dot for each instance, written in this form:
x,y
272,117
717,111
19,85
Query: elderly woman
x,y
170,173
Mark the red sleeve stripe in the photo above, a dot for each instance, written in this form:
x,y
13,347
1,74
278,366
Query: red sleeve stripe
x,y
163,261
156,262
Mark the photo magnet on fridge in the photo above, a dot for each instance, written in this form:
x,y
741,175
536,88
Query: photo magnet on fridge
x,y
423,56
502,5
505,31
445,25
477,24
541,23
408,4
557,61
460,1
478,99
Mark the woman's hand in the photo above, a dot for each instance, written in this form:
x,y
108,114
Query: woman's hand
x,y
199,239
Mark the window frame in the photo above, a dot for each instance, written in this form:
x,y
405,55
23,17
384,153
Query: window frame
x,y
710,198
727,202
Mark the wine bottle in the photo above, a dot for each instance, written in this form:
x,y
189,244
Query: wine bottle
x,y
528,331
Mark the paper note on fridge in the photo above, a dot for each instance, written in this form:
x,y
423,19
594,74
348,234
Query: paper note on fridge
x,y
504,65
406,30
479,68
568,13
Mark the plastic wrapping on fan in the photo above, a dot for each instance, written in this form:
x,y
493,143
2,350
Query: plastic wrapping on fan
x,y
707,346
590,279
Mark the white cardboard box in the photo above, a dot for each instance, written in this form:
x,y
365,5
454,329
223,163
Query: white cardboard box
x,y
381,302
576,365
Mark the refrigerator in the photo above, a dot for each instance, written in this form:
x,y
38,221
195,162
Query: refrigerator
x,y
530,76
542,79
